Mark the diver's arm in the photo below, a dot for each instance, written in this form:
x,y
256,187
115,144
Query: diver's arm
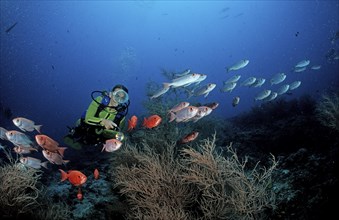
x,y
92,109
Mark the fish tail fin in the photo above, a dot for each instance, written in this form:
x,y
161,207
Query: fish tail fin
x,y
64,175
172,116
38,128
64,162
166,85
61,150
44,164
144,123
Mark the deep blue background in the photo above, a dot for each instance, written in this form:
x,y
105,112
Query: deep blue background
x,y
59,52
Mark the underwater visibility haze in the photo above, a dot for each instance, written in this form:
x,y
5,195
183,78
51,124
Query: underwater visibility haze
x,y
233,109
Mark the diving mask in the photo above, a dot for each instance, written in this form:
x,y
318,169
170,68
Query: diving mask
x,y
120,96
120,136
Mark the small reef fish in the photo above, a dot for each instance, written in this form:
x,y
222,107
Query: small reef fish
x,y
233,79
3,133
111,145
249,81
302,63
179,106
18,138
262,95
183,80
79,194
189,137
49,144
152,121
212,105
271,97
283,89
75,177
201,78
26,124
54,158
185,72
235,101
33,162
202,112
203,90
258,82
184,114
96,174
23,150
238,65
162,91
278,78
132,123
295,85
228,87
299,70
316,67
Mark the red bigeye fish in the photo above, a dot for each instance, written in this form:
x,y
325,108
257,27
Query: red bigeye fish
x,y
152,121
49,144
190,137
75,177
96,174
132,123
79,194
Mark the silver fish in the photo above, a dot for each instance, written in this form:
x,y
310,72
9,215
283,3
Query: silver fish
x,y
316,67
240,64
54,158
183,114
184,80
33,162
258,82
228,87
302,63
262,95
160,92
18,138
26,124
295,85
271,97
185,72
235,101
203,90
249,81
283,89
234,78
300,69
3,133
278,78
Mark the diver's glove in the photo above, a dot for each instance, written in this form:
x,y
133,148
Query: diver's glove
x,y
108,124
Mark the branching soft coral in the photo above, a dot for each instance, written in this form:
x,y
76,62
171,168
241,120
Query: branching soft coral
x,y
197,184
19,189
328,111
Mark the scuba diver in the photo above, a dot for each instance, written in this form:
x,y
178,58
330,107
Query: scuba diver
x,y
103,120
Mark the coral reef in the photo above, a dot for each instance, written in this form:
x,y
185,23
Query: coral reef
x,y
197,183
328,111
19,189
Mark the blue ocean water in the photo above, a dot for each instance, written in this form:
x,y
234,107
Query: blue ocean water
x,y
55,53
60,51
